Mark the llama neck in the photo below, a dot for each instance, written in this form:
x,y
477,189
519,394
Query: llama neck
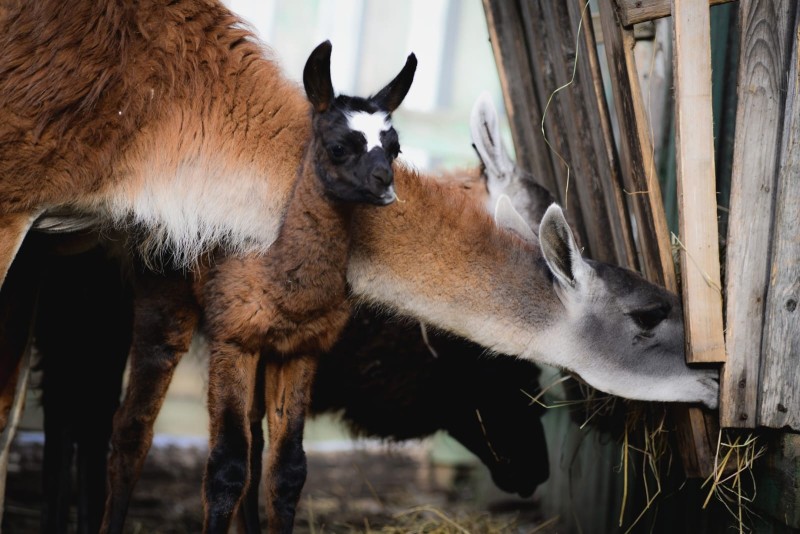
x,y
314,238
438,257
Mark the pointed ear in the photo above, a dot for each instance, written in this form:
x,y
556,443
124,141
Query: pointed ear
x,y
559,249
390,97
317,77
487,140
505,216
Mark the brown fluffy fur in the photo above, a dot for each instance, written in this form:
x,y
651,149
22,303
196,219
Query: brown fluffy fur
x,y
98,97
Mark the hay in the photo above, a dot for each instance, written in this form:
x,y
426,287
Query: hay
x,y
733,464
431,520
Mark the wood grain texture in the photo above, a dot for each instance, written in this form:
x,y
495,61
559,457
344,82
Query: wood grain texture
x,y
639,177
604,145
635,11
694,152
764,64
779,403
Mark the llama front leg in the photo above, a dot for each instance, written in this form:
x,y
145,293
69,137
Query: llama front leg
x,y
288,383
165,317
231,381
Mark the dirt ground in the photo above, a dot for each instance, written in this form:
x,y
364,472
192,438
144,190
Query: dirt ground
x,y
369,488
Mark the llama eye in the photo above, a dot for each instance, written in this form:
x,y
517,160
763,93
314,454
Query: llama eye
x,y
651,317
336,152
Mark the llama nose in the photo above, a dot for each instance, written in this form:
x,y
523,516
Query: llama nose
x,y
382,175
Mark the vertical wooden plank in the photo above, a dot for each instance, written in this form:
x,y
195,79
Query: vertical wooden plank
x,y
519,93
694,152
605,148
639,176
764,55
779,404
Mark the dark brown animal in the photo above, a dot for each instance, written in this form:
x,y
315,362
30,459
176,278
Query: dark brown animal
x,y
288,306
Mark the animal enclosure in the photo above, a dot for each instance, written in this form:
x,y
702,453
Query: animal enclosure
x,y
672,143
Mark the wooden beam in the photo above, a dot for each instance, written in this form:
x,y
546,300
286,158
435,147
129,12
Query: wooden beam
x,y
779,404
764,63
635,11
694,152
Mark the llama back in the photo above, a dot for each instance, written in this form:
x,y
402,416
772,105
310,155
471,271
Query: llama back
x,y
169,118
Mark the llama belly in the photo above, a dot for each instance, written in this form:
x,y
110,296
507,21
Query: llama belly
x,y
187,210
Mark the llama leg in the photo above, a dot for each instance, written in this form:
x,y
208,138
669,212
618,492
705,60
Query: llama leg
x,y
165,317
288,384
13,228
83,297
248,520
230,395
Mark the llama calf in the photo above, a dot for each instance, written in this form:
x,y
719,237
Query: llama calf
x,y
288,306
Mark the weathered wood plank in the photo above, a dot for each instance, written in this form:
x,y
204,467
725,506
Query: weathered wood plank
x,y
764,61
636,153
542,40
779,404
635,11
694,152
605,149
644,195
519,91
551,40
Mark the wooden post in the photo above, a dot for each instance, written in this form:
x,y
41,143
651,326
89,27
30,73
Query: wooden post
x,y
764,62
694,149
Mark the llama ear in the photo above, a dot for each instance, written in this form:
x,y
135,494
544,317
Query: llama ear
x,y
487,140
390,97
317,77
559,248
505,216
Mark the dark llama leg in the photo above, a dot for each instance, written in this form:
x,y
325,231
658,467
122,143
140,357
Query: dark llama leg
x,y
288,392
248,517
83,297
165,317
230,396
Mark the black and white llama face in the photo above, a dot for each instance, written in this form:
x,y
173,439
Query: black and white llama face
x,y
355,140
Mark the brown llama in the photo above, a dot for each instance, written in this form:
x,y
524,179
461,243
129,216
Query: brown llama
x,y
289,305
164,117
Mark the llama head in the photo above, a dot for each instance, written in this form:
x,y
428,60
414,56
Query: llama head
x,y
355,142
619,332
